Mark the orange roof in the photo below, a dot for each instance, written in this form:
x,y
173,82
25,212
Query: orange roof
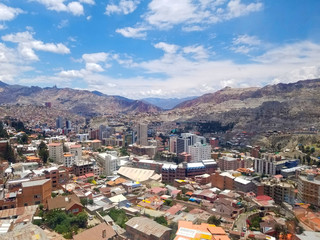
x,y
54,144
68,155
189,193
96,141
76,146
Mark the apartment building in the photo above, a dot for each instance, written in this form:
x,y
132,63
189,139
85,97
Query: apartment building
x,y
199,151
230,163
34,192
280,191
309,189
68,159
56,152
108,163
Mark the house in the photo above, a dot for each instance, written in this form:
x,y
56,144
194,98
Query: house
x,y
99,232
139,228
68,203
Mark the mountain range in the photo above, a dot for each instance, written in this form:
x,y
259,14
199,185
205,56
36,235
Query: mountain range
x,y
166,103
281,106
80,102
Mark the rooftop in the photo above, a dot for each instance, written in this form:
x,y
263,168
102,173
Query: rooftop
x,y
35,183
147,226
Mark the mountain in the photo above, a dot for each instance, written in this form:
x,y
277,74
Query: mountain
x,y
81,102
166,103
282,106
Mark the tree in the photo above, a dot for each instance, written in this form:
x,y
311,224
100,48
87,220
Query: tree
x,y
3,132
43,152
214,220
84,201
123,151
161,220
9,154
23,139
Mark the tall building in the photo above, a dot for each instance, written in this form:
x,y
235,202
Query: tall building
x,y
56,152
108,163
68,124
76,150
182,144
199,152
173,144
309,189
231,163
142,134
59,122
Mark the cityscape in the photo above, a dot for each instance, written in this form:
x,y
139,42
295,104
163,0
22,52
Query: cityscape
x,y
159,120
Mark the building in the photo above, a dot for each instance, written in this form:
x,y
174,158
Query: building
x,y
76,150
69,159
188,231
230,163
70,204
96,144
182,145
309,189
214,142
142,228
279,191
108,163
81,168
199,152
59,122
223,180
68,124
142,134
173,144
99,232
34,192
56,152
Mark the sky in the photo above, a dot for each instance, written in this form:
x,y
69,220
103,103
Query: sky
x,y
158,48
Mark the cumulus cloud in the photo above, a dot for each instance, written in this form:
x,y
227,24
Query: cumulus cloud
x,y
76,8
123,7
168,48
130,32
8,13
27,45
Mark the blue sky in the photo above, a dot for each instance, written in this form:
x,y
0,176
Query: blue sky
x,y
158,48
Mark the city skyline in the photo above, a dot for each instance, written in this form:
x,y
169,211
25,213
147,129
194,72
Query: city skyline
x,y
158,48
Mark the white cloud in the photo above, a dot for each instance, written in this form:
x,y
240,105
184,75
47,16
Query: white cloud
x,y
91,2
74,7
124,7
130,32
63,23
2,27
168,48
95,57
236,9
198,52
8,13
245,44
27,44
166,13
192,28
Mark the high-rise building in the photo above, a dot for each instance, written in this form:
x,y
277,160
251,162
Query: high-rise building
x,y
108,163
59,122
142,134
199,152
173,144
68,124
182,144
56,152
309,189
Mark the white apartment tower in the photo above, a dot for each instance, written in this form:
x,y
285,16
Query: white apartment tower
x,y
56,152
199,152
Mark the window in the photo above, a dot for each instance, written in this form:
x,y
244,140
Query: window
x,y
37,202
26,204
75,210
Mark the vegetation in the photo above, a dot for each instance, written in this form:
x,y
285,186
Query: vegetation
x,y
168,202
9,154
214,220
255,223
124,151
119,217
43,152
84,201
174,227
23,139
161,220
213,126
3,132
66,224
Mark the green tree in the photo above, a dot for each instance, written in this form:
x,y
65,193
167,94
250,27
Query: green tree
x,y
84,201
214,220
23,139
161,220
9,154
3,132
43,152
124,151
